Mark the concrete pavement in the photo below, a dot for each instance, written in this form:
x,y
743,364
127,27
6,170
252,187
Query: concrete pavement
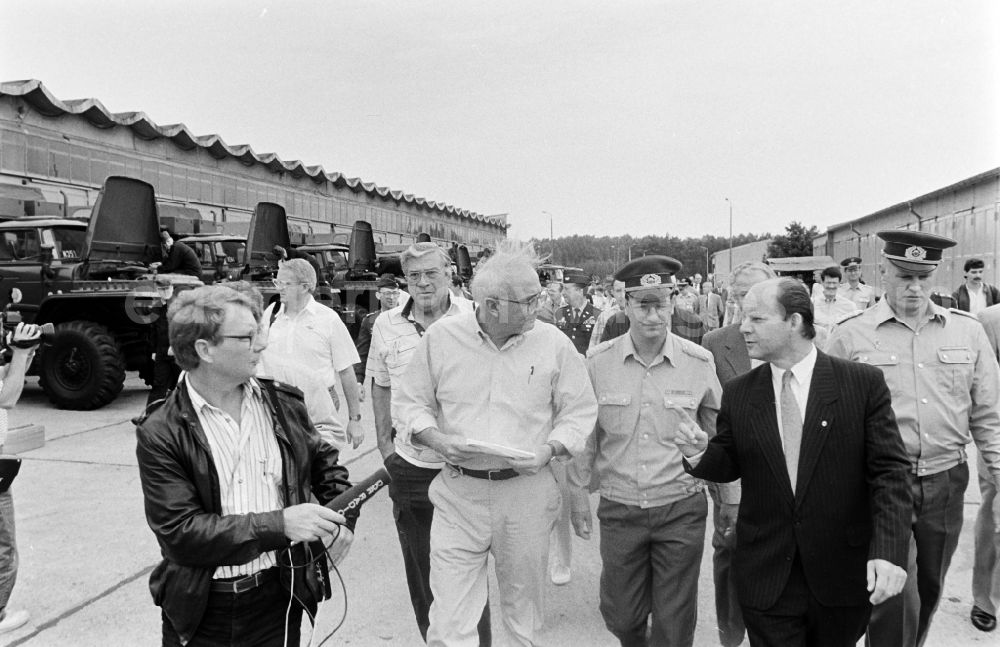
x,y
86,551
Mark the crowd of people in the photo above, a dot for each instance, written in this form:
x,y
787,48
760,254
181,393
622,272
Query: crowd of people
x,y
829,431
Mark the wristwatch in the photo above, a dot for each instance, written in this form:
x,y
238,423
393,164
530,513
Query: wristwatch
x,y
356,418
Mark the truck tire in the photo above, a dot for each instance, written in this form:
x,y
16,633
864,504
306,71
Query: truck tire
x,y
82,369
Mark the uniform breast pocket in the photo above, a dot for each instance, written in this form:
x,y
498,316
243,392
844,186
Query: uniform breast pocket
x,y
954,370
612,411
679,406
888,363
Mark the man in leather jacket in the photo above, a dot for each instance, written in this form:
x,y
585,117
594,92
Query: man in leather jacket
x,y
228,463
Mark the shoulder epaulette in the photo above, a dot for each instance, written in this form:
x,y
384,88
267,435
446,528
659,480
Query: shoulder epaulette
x,y
850,316
956,311
600,348
696,351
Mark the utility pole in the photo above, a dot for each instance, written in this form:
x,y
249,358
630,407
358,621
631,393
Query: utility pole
x,y
730,234
552,245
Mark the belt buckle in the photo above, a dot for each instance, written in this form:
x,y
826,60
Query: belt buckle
x,y
248,583
490,473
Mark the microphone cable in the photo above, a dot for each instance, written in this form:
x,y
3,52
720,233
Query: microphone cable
x,y
311,559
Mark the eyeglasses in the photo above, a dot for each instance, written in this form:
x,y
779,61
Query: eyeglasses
x,y
278,283
249,338
530,303
431,275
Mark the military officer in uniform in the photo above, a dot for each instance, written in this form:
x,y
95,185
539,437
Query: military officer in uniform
x,y
652,512
578,316
852,288
944,381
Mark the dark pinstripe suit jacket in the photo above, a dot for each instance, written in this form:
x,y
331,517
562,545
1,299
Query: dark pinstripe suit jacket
x,y
851,503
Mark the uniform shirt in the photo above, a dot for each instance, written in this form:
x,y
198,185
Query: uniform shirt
x,y
827,313
943,378
247,460
863,296
394,338
632,449
577,324
531,390
315,337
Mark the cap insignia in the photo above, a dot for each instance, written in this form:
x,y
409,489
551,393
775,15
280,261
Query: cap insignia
x,y
650,279
916,253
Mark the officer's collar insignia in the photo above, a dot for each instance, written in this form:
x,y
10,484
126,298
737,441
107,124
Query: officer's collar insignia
x,y
650,279
916,253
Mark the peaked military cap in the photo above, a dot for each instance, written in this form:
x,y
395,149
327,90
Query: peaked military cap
x,y
851,261
648,272
914,251
576,278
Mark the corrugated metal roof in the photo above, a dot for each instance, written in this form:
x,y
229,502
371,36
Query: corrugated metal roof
x,y
961,184
38,97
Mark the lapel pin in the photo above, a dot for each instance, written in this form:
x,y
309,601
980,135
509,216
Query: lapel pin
x,y
822,424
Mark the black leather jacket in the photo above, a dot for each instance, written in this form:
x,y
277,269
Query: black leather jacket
x,y
180,485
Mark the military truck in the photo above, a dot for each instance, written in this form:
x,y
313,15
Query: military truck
x,y
223,256
92,281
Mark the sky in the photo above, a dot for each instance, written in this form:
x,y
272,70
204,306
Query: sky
x,y
602,118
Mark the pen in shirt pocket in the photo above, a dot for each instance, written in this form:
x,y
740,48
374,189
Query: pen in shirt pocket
x,y
530,373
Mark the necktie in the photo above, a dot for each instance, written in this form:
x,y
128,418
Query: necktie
x,y
791,427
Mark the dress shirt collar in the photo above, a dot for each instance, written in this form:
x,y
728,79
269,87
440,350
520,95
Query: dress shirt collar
x,y
250,387
475,326
308,308
668,352
802,371
884,313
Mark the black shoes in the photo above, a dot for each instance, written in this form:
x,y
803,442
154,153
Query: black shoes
x,y
981,620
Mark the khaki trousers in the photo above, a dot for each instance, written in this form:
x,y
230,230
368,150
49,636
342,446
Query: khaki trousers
x,y
475,518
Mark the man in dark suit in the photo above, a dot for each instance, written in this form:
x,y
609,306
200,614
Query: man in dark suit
x,y
731,359
823,526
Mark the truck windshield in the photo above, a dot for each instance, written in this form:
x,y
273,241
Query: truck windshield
x,y
69,243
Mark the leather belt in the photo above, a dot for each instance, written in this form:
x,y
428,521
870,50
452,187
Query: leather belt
x,y
486,475
245,583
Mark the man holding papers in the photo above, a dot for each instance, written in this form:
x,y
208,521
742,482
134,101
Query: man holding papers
x,y
492,376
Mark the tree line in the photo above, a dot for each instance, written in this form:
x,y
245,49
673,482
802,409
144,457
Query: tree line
x,y
602,255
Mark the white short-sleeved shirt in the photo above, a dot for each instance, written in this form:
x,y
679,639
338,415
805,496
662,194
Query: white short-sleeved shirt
x,y
315,338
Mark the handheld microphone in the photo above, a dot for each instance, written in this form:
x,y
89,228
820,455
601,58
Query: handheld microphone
x,y
357,494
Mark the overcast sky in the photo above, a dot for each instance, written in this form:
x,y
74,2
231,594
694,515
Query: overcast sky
x,y
615,117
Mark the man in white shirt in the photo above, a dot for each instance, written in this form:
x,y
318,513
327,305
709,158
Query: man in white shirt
x,y
494,377
308,334
830,307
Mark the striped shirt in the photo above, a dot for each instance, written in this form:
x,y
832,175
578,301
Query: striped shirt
x,y
247,460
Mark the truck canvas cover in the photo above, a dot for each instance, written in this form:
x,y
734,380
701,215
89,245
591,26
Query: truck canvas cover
x,y
269,227
124,225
